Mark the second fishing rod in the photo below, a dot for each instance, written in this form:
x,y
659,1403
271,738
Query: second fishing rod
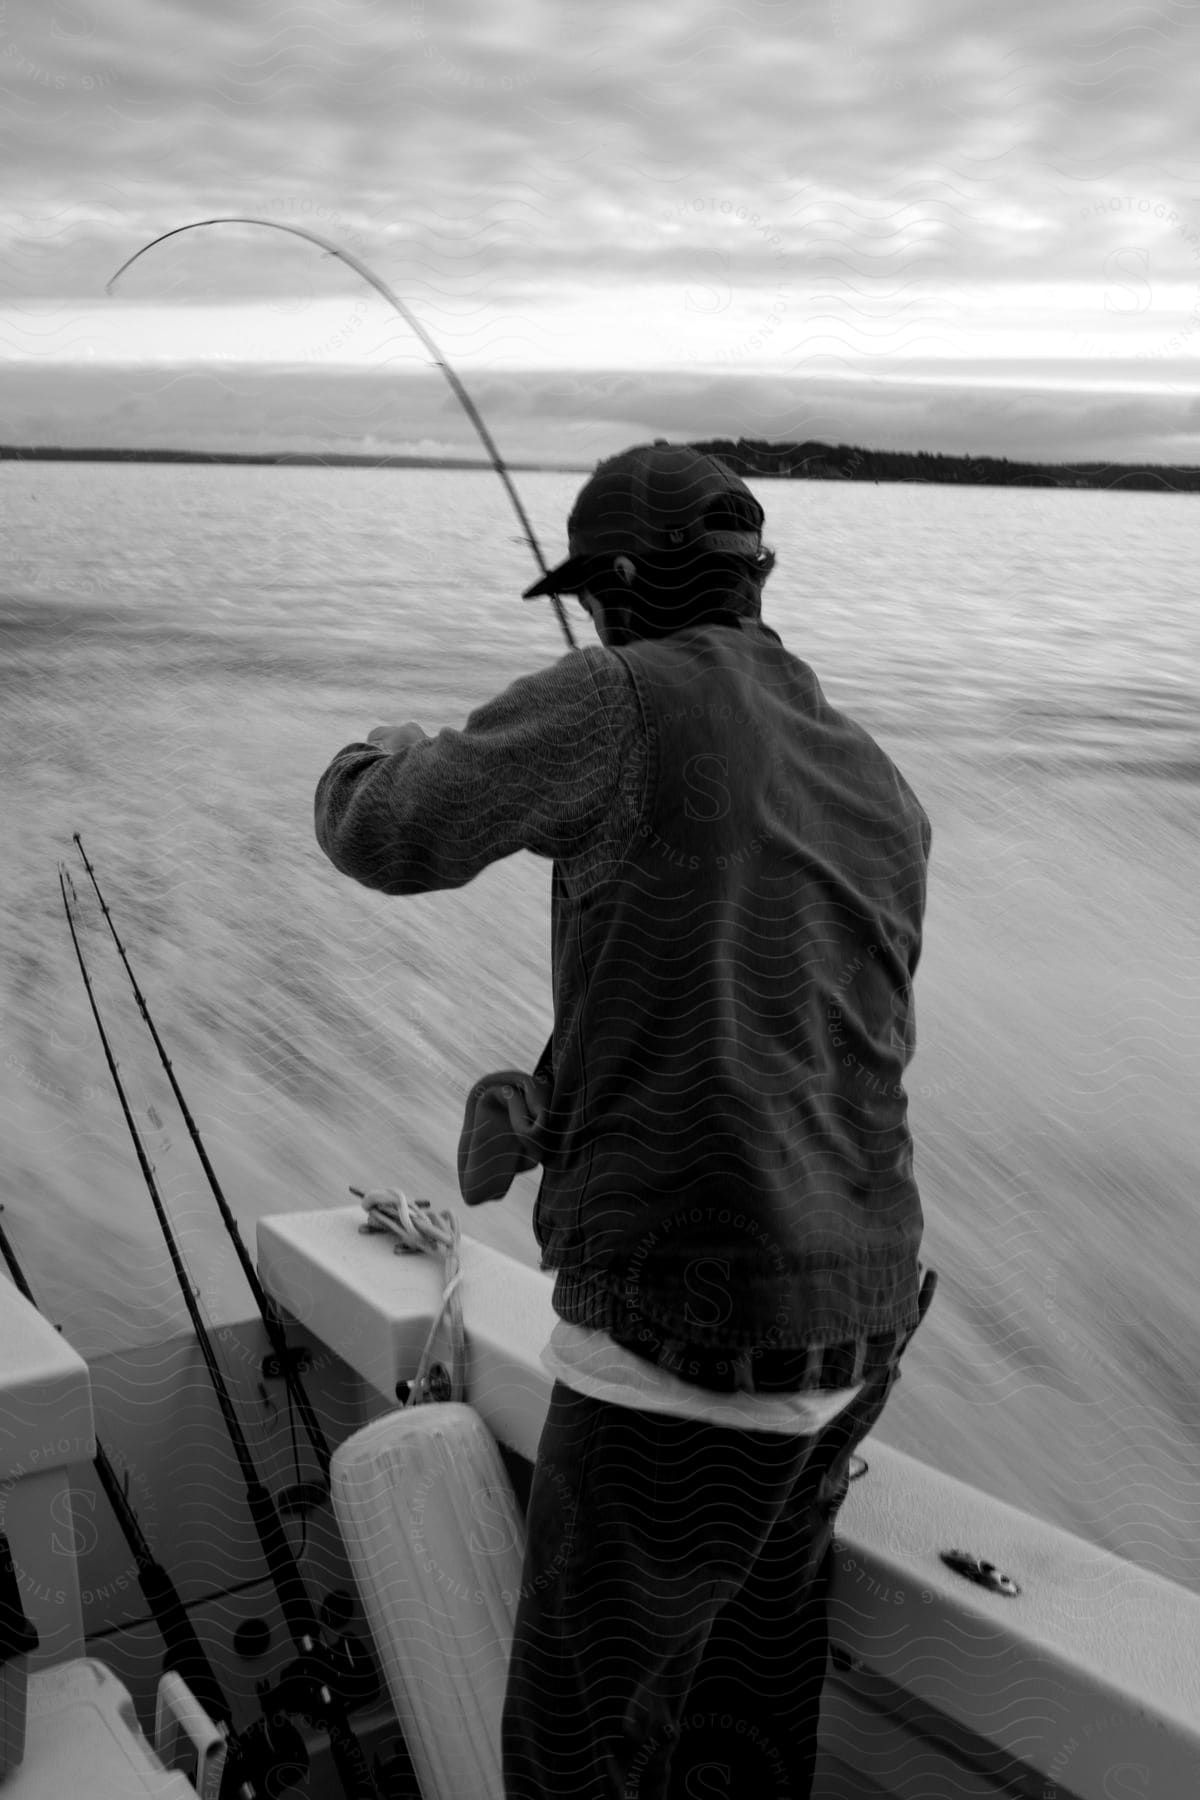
x,y
309,1686
287,1361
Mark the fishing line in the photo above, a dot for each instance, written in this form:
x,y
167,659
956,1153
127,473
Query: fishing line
x,y
307,1687
414,324
285,1358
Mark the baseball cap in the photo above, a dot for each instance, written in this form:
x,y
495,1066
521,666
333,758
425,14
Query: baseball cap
x,y
660,499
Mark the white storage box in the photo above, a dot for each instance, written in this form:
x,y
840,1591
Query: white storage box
x,y
83,1742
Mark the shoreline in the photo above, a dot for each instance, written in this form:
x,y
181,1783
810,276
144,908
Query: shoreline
x,y
332,459
750,458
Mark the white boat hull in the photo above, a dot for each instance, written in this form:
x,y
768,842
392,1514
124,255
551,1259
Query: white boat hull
x,y
1085,1686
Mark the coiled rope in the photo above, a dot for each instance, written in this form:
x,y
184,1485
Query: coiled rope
x,y
416,1227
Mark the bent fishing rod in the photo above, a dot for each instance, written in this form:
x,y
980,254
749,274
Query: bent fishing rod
x,y
414,325
308,1686
285,1357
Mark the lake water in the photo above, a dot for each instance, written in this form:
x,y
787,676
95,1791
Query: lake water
x,y
184,649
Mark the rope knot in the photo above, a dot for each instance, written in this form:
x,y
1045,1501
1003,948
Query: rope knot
x,y
416,1227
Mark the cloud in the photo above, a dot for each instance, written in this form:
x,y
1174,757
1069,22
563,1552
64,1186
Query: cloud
x,y
585,130
850,181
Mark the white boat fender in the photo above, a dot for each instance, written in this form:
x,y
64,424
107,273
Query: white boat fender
x,y
435,1536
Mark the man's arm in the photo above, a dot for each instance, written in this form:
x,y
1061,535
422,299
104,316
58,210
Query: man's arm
x,y
535,769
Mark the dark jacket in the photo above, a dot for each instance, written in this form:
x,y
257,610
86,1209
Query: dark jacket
x,y
736,919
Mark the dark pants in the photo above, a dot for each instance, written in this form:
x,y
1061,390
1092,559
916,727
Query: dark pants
x,y
671,1635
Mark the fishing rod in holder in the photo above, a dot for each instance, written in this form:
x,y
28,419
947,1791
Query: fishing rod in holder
x,y
309,1687
285,1361
186,1655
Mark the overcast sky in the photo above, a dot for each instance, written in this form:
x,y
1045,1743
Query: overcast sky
x,y
936,224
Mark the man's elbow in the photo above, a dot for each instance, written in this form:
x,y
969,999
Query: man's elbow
x,y
362,862
387,869
384,848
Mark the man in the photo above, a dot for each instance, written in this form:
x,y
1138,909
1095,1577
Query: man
x,y
727,1193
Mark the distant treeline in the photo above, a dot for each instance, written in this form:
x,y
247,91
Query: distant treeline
x,y
749,456
844,462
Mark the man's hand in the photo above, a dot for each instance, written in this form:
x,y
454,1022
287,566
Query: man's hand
x,y
395,737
